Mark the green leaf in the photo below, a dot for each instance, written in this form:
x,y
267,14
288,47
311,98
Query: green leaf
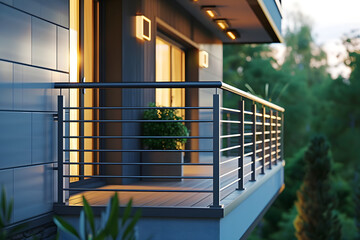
x,y
89,215
127,213
82,225
66,227
131,227
111,227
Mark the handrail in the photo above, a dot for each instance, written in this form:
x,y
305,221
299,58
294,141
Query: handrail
x,y
205,84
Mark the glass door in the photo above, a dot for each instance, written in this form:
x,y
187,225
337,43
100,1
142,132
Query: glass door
x,y
170,67
84,64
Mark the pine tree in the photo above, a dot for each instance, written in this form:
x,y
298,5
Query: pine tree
x,y
317,218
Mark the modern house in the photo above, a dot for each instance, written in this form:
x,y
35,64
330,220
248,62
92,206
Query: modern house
x,y
75,79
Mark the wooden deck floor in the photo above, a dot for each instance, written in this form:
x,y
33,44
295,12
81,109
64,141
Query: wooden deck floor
x,y
162,199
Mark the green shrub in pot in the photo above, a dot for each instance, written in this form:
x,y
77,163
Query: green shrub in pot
x,y
163,129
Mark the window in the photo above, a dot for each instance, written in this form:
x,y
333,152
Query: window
x,y
170,67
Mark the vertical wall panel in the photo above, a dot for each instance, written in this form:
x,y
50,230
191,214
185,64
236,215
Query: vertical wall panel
x,y
33,193
15,139
6,86
63,49
42,129
55,11
43,46
34,91
15,35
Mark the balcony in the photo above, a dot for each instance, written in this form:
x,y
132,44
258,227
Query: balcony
x,y
232,172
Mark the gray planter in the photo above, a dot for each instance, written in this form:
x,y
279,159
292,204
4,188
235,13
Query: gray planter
x,y
162,170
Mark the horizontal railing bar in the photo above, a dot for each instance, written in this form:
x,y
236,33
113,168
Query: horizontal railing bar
x,y
248,164
230,148
133,150
132,190
248,174
140,137
267,132
249,96
232,171
117,176
248,134
248,122
249,113
267,124
132,108
258,123
258,168
248,154
259,114
259,133
110,163
202,84
267,155
248,144
230,136
230,109
135,121
228,185
259,159
266,148
267,140
258,142
267,163
229,121
230,160
259,150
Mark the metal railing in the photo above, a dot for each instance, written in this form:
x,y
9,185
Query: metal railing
x,y
246,141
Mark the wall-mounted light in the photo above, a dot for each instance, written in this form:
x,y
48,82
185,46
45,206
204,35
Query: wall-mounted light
x,y
143,28
203,59
210,11
232,34
222,23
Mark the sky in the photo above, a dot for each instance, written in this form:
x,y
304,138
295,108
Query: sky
x,y
331,20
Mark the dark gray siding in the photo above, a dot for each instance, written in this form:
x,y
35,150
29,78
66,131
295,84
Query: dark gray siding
x,y
34,53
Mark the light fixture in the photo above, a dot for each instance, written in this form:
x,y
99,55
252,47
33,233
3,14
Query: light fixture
x,y
222,23
203,59
210,11
232,34
143,28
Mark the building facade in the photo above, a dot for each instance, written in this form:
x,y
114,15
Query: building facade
x,y
102,57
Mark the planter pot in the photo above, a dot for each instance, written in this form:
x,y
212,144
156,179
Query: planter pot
x,y
162,170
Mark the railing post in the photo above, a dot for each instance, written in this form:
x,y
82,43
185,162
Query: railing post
x,y
60,148
241,149
270,139
263,140
282,136
216,151
253,164
276,137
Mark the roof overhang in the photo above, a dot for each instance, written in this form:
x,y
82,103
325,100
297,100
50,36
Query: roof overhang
x,y
255,21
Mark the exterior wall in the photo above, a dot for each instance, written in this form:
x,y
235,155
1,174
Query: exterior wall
x,y
138,60
34,43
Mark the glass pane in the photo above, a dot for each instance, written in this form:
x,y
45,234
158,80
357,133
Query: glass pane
x,y
162,71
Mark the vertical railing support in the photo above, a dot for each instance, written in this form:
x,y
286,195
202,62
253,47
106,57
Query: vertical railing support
x,y
263,140
253,164
282,136
276,137
216,151
270,139
241,143
60,148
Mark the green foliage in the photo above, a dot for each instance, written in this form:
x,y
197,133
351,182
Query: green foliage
x,y
111,227
317,218
170,128
356,197
6,208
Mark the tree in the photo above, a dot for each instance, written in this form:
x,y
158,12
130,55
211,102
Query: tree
x,y
317,218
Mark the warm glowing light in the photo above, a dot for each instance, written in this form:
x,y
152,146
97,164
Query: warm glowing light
x,y
211,13
143,28
203,59
222,23
231,35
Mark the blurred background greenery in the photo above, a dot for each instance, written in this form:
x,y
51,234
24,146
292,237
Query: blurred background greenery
x,y
315,103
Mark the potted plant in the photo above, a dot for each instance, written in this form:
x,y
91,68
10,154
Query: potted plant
x,y
174,128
